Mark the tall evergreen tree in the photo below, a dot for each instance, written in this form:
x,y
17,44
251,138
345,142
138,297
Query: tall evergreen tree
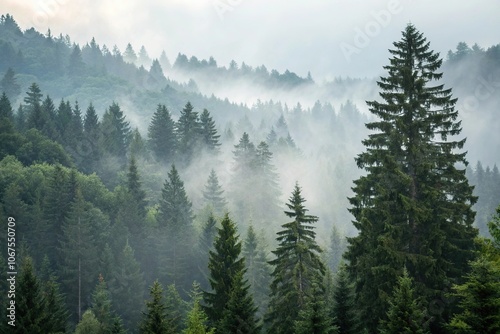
x,y
31,316
9,86
213,194
135,188
297,266
205,244
102,308
336,249
343,311
258,270
314,318
210,138
404,315
189,133
55,307
155,319
129,55
127,288
116,132
6,108
162,138
175,220
91,154
33,96
224,264
413,207
239,313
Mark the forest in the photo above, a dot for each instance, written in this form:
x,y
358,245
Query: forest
x,y
146,201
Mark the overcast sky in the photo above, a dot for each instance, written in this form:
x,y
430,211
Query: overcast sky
x,y
327,37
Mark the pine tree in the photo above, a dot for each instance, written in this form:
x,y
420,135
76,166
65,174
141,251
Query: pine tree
x,y
189,133
258,270
6,108
205,244
155,320
92,152
239,313
34,96
127,287
9,86
343,310
135,189
116,132
103,310
89,324
413,207
175,220
404,315
297,266
129,55
224,264
313,318
55,307
213,194
336,249
31,316
162,138
210,138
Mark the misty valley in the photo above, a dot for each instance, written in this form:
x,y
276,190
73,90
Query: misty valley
x,y
140,195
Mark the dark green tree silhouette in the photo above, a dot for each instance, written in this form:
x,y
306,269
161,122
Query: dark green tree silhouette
x,y
413,206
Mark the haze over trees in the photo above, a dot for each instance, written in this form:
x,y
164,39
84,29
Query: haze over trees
x,y
144,204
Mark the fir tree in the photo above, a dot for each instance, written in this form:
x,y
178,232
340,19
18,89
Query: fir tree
x,y
116,132
103,310
89,324
297,266
258,270
224,264
188,131
210,138
205,244
239,313
404,315
196,320
162,138
213,194
9,86
135,189
6,108
129,55
175,220
91,140
155,320
33,96
55,307
479,299
31,316
314,318
413,207
343,311
127,287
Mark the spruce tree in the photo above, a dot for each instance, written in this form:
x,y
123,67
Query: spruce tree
x,y
213,194
297,266
205,244
175,221
89,324
343,311
413,206
6,108
314,318
155,320
116,132
92,151
162,139
189,133
127,287
31,315
55,307
479,299
258,270
404,316
239,313
9,86
210,138
224,264
135,189
102,308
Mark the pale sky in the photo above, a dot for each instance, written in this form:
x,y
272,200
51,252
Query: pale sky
x,y
327,37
